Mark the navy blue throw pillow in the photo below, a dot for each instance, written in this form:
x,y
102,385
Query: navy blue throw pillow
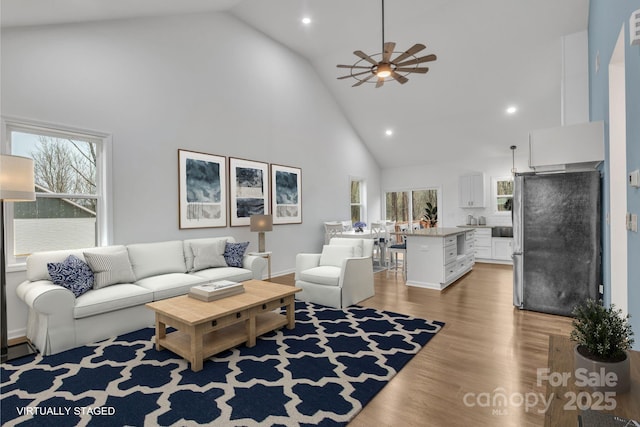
x,y
73,274
233,253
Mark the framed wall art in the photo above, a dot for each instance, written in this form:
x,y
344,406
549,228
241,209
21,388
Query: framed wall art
x,y
286,194
202,188
248,190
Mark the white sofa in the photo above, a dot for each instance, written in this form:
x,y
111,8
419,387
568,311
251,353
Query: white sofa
x,y
342,275
60,321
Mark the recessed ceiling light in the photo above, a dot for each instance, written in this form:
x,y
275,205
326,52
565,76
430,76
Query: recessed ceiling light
x,y
306,20
388,132
512,110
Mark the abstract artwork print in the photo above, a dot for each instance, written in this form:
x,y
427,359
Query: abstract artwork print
x,y
248,190
287,200
202,199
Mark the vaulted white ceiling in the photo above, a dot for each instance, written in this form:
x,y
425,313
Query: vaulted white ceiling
x,y
491,54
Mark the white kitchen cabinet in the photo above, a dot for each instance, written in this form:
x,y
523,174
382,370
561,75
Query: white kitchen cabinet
x,y
438,257
483,247
502,248
471,191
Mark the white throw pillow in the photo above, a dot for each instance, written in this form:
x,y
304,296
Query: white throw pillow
x,y
208,255
345,241
110,268
334,254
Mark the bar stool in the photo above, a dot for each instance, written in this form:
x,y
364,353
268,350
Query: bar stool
x,y
395,250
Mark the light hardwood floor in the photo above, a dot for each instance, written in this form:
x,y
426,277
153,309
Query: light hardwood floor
x,y
487,347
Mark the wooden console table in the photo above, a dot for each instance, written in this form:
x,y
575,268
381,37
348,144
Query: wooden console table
x,y
207,328
561,361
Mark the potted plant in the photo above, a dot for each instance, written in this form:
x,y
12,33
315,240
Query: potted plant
x,y
359,226
430,216
603,336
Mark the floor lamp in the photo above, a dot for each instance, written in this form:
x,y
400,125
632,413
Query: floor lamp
x,y
16,185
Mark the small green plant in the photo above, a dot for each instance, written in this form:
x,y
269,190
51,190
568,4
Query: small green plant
x,y
602,334
430,214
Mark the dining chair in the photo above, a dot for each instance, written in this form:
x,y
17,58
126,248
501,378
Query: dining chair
x,y
331,230
379,242
399,249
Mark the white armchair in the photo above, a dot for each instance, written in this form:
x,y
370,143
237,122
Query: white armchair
x,y
342,275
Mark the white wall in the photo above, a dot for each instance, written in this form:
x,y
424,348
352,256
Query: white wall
x,y
202,82
445,177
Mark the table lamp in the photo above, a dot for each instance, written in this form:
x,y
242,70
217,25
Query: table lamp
x,y
16,185
261,223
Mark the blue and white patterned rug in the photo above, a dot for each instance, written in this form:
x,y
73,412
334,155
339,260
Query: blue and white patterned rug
x,y
323,372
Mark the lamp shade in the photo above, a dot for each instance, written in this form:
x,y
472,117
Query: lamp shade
x,y
16,179
261,222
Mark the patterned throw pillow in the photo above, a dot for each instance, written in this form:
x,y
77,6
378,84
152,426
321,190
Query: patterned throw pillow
x,y
110,268
73,274
233,253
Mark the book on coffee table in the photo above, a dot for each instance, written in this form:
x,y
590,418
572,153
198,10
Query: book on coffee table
x,y
216,290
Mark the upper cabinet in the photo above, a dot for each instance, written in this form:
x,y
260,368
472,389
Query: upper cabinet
x,y
471,191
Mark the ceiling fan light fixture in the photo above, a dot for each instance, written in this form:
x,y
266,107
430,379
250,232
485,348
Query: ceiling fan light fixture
x,y
397,68
383,71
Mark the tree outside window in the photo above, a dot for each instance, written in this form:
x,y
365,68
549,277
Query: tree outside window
x,y
412,206
65,212
357,200
504,195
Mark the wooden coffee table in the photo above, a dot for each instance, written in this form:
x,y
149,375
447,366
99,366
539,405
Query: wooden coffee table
x,y
207,328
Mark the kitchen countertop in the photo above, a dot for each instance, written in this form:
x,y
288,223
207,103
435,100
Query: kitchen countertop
x,y
436,232
475,226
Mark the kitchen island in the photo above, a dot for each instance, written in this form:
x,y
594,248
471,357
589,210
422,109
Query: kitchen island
x,y
437,257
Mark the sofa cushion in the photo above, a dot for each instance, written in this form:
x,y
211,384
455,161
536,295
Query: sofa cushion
x,y
334,254
325,275
152,259
169,285
188,251
111,298
73,274
234,252
37,261
110,268
208,255
228,273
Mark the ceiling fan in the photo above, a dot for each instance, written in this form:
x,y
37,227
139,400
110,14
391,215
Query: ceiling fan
x,y
397,68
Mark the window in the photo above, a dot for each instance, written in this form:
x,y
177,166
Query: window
x,y
69,210
503,194
358,211
401,206
397,206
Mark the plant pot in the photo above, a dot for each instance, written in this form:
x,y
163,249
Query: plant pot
x,y
599,376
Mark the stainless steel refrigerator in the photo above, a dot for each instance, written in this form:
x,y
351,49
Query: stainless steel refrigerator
x,y
556,233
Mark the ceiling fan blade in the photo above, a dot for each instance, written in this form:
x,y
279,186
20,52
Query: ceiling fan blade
x,y
362,67
380,82
409,52
364,56
363,80
388,51
353,75
420,60
399,77
421,70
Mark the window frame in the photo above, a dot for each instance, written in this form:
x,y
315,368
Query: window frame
x,y
104,215
362,204
410,192
495,196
